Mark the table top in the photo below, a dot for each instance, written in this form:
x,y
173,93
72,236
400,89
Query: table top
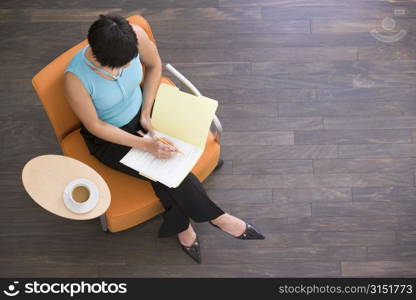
x,y
45,178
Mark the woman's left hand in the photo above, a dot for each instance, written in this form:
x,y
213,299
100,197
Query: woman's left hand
x,y
147,125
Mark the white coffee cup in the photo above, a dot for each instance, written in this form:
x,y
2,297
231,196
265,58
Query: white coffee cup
x,y
80,195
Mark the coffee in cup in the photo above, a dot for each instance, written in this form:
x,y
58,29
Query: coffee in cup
x,y
80,194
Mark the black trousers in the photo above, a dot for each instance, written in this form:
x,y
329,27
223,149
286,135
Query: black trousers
x,y
188,200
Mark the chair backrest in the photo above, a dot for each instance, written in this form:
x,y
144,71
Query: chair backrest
x,y
49,86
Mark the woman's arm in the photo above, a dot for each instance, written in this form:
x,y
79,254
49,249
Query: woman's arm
x,y
151,59
81,103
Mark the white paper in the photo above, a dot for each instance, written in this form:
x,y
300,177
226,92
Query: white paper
x,y
169,171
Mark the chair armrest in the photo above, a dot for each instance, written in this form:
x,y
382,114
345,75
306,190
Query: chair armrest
x,y
187,83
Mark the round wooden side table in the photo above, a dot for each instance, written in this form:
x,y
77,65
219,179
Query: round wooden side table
x,y
45,178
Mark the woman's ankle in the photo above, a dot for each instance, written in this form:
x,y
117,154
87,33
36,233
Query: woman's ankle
x,y
221,220
230,224
184,231
187,236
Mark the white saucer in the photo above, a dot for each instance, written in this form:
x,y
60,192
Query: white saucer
x,y
84,207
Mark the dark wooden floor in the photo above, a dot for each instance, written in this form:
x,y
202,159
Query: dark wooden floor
x,y
319,138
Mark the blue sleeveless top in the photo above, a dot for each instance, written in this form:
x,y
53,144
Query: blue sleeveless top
x,y
116,101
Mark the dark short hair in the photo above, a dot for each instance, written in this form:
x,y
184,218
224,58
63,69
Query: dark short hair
x,y
112,40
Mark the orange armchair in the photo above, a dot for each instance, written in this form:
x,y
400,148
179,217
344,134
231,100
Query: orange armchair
x,y
133,200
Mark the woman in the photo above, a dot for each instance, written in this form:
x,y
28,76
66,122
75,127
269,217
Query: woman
x,y
102,83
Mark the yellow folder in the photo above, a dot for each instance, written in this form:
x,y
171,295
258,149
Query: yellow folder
x,y
182,115
183,118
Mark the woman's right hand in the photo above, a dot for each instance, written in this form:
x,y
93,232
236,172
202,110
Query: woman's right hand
x,y
159,149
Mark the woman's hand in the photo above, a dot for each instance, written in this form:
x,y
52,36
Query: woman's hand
x,y
159,149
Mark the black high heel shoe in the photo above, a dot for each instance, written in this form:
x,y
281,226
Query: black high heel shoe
x,y
251,233
194,251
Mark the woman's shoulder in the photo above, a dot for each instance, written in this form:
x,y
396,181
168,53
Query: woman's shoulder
x,y
138,30
141,34
78,68
75,64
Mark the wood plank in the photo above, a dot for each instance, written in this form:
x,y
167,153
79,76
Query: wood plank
x,y
386,52
237,30
353,238
271,95
268,124
279,152
178,15
21,207
352,108
402,253
262,54
260,34
406,237
318,12
132,4
388,193
270,255
377,151
19,134
305,3
380,268
212,69
28,111
311,194
347,224
375,122
244,110
268,166
384,80
328,25
230,138
308,81
21,84
363,209
364,136
383,165
333,238
21,102
257,196
368,93
356,68
407,223
40,267
307,180
67,15
271,211
283,269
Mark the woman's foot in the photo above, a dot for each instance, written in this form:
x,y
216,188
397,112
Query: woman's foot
x,y
230,224
190,244
187,237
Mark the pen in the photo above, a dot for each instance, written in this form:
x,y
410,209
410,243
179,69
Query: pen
x,y
167,143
